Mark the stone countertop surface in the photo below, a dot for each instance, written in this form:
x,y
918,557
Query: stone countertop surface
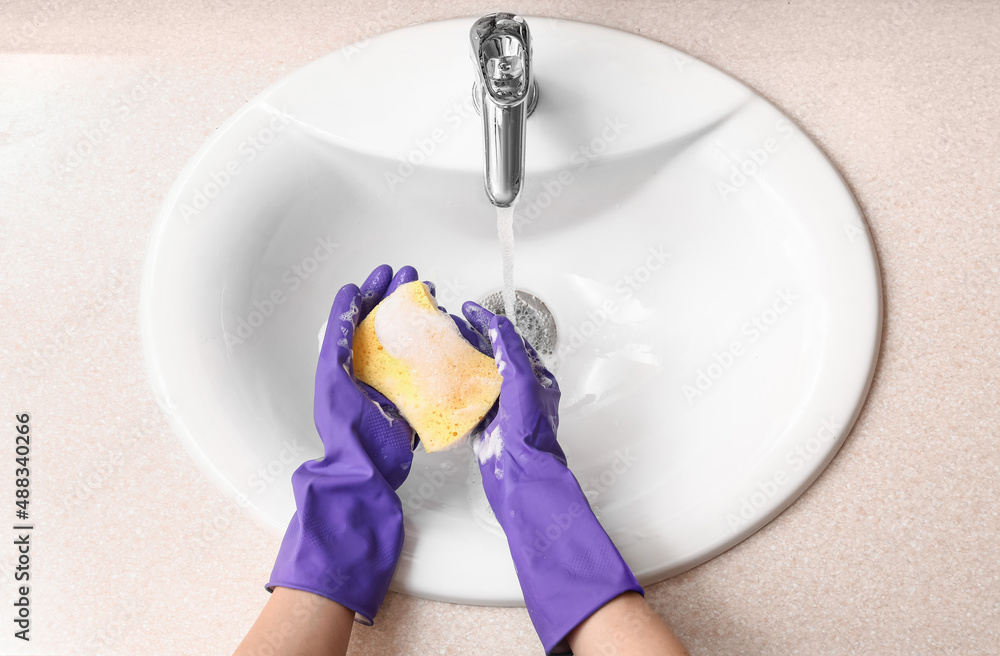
x,y
894,550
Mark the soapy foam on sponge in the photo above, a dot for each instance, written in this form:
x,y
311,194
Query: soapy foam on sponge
x,y
414,354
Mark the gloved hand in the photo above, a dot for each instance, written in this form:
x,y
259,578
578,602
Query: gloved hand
x,y
566,564
347,532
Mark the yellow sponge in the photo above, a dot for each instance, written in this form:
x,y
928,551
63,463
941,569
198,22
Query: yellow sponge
x,y
412,353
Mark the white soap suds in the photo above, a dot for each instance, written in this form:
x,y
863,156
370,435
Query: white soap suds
x,y
489,446
426,341
345,316
351,312
538,368
498,353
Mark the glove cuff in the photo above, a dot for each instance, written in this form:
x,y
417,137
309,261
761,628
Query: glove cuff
x,y
328,551
566,564
595,576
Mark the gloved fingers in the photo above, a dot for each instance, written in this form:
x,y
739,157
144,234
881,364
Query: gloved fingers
x,y
339,337
475,329
544,377
404,275
510,352
472,336
373,289
432,287
478,317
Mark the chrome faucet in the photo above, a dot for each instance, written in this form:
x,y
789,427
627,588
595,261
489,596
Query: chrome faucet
x,y
504,95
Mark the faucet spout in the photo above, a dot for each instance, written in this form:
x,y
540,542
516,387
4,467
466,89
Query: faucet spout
x,y
505,95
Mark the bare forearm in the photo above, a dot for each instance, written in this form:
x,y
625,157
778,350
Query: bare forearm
x,y
625,626
297,623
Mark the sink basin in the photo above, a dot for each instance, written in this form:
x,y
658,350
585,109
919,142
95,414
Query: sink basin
x,y
713,282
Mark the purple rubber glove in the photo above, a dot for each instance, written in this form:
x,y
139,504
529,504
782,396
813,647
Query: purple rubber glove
x,y
347,532
566,564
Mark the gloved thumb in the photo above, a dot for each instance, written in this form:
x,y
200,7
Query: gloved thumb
x,y
340,327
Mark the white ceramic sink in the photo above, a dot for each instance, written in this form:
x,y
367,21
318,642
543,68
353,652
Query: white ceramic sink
x,y
714,285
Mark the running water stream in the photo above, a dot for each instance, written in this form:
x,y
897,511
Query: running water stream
x,y
505,229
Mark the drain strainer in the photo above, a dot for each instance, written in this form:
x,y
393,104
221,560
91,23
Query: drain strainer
x,y
533,319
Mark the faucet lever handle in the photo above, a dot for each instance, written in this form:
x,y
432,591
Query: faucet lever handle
x,y
501,51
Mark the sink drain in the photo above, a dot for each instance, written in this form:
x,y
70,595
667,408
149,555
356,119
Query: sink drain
x,y
534,321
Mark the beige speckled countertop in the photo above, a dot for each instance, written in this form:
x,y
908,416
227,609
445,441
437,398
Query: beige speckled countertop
x,y
893,550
